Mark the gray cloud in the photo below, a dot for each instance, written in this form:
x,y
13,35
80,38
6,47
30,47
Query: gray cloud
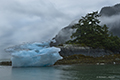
x,y
38,20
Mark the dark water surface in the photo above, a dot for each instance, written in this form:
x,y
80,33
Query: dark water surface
x,y
62,72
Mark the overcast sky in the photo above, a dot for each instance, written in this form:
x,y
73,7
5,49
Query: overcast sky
x,y
40,20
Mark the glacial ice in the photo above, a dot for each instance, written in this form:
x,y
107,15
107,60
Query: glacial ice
x,y
34,54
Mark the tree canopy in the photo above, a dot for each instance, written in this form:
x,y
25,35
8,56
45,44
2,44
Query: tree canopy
x,y
90,33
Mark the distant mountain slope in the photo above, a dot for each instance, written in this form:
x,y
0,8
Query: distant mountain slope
x,y
109,16
110,10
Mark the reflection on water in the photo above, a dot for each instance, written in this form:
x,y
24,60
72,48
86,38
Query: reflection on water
x,y
62,72
38,73
91,72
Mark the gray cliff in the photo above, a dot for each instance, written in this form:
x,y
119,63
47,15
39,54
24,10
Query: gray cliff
x,y
71,50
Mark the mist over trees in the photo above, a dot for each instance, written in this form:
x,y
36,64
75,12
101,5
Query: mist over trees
x,y
90,33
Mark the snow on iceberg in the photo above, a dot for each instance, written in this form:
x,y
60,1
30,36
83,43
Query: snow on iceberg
x,y
34,54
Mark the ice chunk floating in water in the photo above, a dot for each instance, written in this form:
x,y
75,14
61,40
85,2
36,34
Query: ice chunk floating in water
x,y
34,54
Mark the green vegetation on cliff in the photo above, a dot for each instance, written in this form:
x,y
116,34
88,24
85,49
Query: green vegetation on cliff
x,y
81,59
90,33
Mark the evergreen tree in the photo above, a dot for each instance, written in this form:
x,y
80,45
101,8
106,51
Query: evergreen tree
x,y
91,34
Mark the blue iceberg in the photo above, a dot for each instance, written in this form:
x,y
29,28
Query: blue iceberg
x,y
34,54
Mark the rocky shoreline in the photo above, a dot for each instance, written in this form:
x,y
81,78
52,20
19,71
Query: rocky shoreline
x,y
81,59
6,63
82,55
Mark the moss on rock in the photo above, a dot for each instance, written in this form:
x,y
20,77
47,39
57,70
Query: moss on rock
x,y
81,59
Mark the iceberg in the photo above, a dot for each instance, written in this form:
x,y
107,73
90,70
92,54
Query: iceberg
x,y
34,54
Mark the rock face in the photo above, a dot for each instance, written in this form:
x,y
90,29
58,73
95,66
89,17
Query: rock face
x,y
7,63
109,16
71,50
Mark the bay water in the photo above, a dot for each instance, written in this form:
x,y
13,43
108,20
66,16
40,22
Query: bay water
x,y
62,72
